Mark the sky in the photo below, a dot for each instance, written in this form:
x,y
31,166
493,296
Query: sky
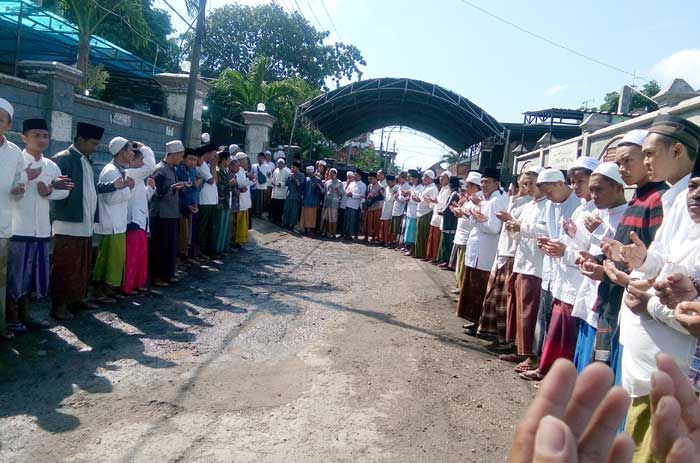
x,y
498,66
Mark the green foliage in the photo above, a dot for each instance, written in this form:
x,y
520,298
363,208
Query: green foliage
x,y
454,158
367,160
97,78
232,93
638,102
236,34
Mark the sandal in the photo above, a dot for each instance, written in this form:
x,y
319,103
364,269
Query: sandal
x,y
533,375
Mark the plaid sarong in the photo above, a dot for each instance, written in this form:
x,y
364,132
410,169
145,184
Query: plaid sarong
x,y
493,316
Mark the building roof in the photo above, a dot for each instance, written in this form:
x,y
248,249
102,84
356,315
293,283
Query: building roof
x,y
375,103
46,36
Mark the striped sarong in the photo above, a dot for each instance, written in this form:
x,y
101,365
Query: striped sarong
x,y
423,234
493,317
28,267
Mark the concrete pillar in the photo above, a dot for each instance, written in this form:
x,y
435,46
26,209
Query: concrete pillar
x,y
257,131
175,93
60,80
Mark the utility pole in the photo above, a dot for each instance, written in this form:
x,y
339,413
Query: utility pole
x,y
194,74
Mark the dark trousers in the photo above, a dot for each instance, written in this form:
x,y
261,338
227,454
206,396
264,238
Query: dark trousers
x,y
163,247
276,209
205,227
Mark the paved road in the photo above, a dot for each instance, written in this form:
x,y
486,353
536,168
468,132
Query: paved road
x,y
296,350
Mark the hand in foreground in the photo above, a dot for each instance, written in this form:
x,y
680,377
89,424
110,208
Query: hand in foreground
x,y
570,228
612,249
574,419
592,222
675,419
43,189
32,173
616,275
554,248
636,297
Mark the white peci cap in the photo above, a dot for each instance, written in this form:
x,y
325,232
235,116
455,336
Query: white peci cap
x,y
585,162
233,149
550,176
174,146
532,169
610,170
7,107
240,155
634,137
117,144
474,177
429,173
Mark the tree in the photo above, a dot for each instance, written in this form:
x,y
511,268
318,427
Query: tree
x,y
638,102
89,16
453,158
232,93
367,160
236,34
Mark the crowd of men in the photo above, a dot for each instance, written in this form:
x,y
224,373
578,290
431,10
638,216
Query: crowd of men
x,y
561,265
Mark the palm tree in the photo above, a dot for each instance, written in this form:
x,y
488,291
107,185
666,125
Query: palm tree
x,y
89,14
232,93
453,158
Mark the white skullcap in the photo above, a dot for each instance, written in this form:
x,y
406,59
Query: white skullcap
x,y
333,169
117,144
233,148
533,169
474,177
350,174
6,106
240,155
446,173
281,160
206,138
634,137
585,162
550,176
309,168
174,146
429,173
610,170
321,163
267,153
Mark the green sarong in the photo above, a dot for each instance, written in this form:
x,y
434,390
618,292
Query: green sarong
x,y
111,256
422,234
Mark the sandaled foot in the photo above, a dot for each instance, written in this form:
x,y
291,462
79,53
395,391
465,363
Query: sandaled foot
x,y
512,358
533,375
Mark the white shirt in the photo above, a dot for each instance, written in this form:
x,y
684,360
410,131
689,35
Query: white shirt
x,y
358,190
208,196
279,182
11,173
646,336
441,205
464,224
676,218
566,277
31,211
425,207
85,228
508,241
137,209
483,239
389,201
271,168
588,291
244,200
267,173
528,256
401,200
412,208
556,214
113,206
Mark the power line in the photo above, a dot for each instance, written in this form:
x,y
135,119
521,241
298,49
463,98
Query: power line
x,y
330,18
313,13
549,41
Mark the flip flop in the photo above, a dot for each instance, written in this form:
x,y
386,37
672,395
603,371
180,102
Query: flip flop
x,y
533,375
512,358
525,368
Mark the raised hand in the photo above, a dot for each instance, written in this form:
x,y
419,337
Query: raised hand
x,y
43,189
17,190
504,216
570,228
130,182
612,249
616,275
120,183
688,315
574,419
675,419
634,255
63,182
592,222
554,248
150,182
636,297
32,173
674,289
